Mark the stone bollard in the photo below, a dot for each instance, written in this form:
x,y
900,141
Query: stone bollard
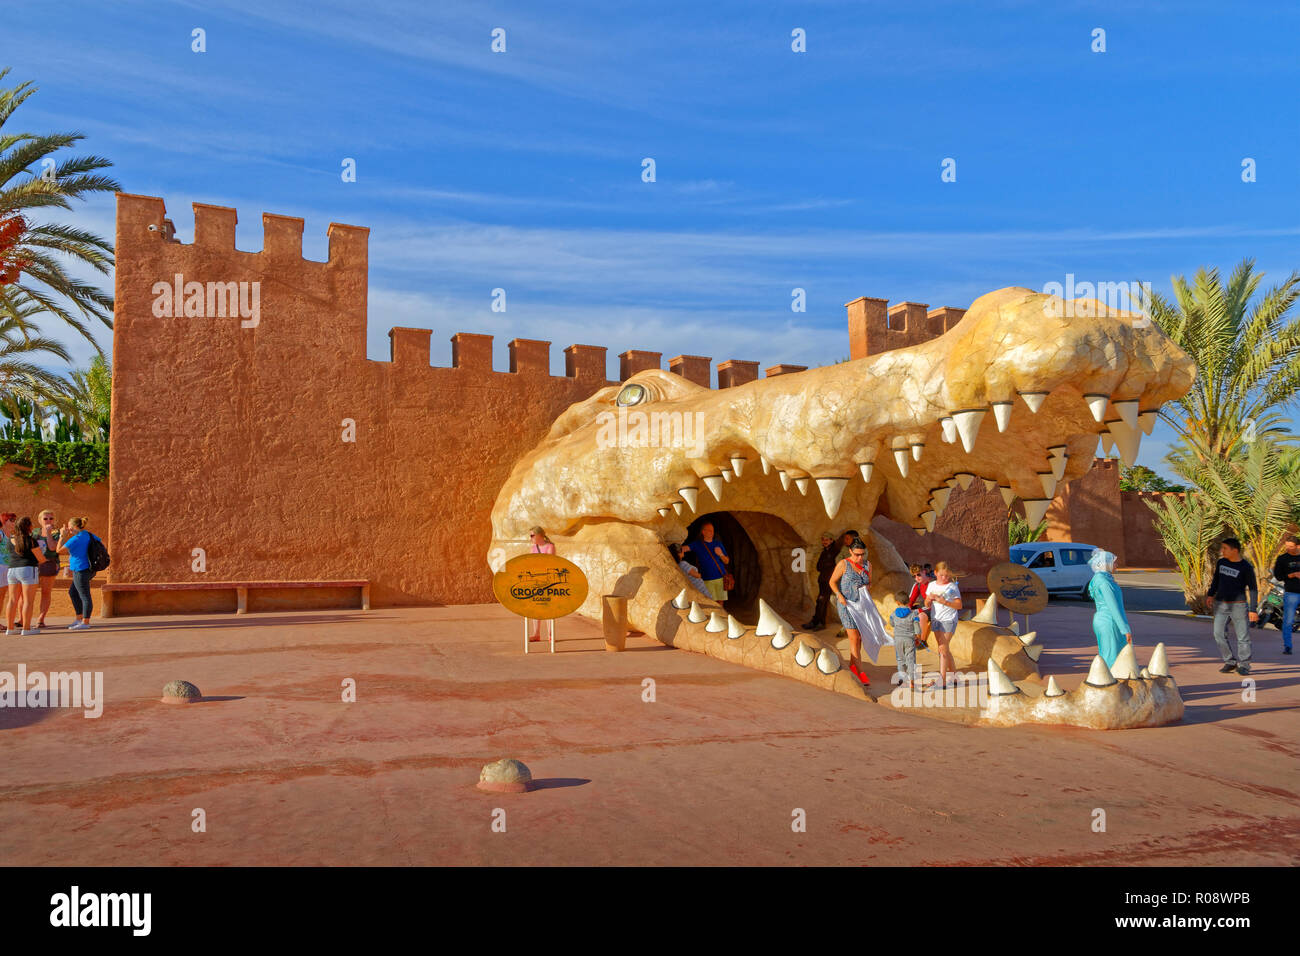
x,y
613,619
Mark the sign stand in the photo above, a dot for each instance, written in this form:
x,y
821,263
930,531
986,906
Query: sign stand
x,y
550,627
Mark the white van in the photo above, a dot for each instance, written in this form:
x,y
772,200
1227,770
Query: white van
x,y
1063,565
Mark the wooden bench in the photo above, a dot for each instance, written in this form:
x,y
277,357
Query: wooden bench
x,y
241,589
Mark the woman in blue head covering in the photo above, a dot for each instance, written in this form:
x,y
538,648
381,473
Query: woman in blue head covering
x,y
1109,622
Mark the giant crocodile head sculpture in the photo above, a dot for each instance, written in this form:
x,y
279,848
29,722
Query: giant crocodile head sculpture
x,y
1014,395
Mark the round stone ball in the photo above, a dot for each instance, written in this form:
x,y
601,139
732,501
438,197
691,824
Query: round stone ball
x,y
180,692
505,776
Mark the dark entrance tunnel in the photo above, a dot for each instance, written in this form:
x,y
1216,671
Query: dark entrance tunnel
x,y
760,547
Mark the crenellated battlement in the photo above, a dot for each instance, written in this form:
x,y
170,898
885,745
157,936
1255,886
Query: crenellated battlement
x,y
875,326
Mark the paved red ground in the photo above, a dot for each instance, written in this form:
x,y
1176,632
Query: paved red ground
x,y
711,772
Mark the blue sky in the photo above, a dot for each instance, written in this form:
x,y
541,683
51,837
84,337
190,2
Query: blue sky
x,y
775,169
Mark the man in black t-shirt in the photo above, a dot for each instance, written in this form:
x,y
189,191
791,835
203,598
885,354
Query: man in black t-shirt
x,y
1232,584
1287,570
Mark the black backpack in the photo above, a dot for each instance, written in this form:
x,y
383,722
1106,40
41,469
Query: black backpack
x,y
97,554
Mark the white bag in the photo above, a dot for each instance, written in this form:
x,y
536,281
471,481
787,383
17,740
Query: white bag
x,y
868,623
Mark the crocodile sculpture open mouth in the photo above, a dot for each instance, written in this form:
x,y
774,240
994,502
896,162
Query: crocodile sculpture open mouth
x,y
1015,395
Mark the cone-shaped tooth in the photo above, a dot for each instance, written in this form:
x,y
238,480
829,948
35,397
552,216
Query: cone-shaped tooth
x,y
1159,665
738,466
1014,626
1099,674
928,518
1053,688
691,496
965,478
727,475
717,622
766,465
1147,421
677,506
785,480
1027,639
901,460
1002,415
804,655
1048,481
989,484
783,636
968,426
664,512
802,485
1146,674
919,531
1000,684
734,628
940,497
866,468
681,602
832,490
1128,440
1034,400
697,614
714,484
1128,410
1126,664
1007,495
1036,510
917,448
1057,451
1097,405
989,612
950,482
1107,444
828,662
1035,651
768,619
949,429
1058,467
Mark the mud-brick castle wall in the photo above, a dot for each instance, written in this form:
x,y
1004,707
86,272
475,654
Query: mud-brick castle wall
x,y
230,439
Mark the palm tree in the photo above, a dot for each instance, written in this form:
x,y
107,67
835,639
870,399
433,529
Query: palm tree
x,y
1247,353
85,399
33,255
1191,533
21,379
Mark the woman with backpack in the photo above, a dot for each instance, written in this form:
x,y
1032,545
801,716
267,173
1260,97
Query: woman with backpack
x,y
25,559
75,543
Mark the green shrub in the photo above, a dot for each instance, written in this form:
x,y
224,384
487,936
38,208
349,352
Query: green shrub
x,y
74,461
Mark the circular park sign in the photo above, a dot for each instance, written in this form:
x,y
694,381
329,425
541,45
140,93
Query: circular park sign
x,y
1019,590
540,586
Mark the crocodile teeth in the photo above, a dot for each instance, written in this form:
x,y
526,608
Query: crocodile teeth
x,y
940,497
1097,405
697,614
1147,421
1128,410
738,465
677,506
1058,467
783,636
1035,651
928,518
1099,674
717,623
768,620
900,459
1014,626
965,478
714,484
767,465
734,628
1036,510
1027,639
919,531
832,490
988,614
989,484
681,602
804,655
828,662
1007,495
1057,451
1107,444
949,430
999,683
866,468
802,485
785,480
950,482
917,448
1053,688
968,426
1126,664
691,496
1034,400
1146,674
1049,483
1002,415
1128,440
1159,666
727,475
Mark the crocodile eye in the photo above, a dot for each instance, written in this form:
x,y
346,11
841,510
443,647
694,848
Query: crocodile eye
x,y
631,395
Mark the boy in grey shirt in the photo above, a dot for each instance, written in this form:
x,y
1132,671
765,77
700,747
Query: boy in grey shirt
x,y
905,623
